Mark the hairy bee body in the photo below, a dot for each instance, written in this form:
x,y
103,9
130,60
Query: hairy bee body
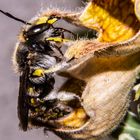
x,y
37,51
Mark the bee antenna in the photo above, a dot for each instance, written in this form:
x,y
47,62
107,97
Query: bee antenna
x,y
13,17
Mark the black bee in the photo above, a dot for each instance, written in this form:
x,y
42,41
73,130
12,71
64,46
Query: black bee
x,y
38,49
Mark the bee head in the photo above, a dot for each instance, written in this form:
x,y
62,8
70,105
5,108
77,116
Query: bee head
x,y
39,26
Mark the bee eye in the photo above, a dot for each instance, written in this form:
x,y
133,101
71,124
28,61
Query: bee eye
x,y
36,29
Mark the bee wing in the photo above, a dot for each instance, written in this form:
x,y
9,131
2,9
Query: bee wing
x,y
22,100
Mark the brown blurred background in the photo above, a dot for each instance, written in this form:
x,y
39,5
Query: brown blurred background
x,y
9,29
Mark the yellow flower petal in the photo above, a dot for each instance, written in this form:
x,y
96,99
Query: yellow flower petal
x,y
114,19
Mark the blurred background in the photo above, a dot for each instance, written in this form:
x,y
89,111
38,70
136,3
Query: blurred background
x,y
9,81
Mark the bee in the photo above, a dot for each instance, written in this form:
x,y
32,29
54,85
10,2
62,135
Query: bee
x,y
38,49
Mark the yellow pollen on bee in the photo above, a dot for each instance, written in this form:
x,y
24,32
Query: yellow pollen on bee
x,y
38,72
41,20
30,90
45,19
57,39
32,101
51,21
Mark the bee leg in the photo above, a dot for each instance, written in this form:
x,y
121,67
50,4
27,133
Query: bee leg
x,y
42,72
63,96
62,31
57,68
57,52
